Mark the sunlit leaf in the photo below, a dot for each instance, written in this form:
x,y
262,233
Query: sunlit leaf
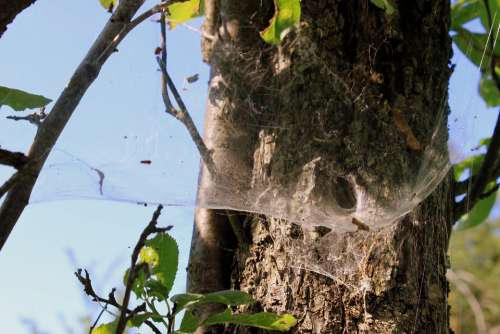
x,y
479,213
162,255
109,328
385,5
286,15
181,12
264,320
465,11
20,100
489,91
109,4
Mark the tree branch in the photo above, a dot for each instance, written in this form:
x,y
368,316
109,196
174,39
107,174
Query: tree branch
x,y
10,9
184,116
486,172
12,159
150,229
111,300
49,131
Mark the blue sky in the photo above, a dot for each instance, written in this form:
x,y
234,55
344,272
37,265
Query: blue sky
x,y
119,122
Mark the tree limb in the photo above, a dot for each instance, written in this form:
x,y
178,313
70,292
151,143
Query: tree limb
x,y
12,159
10,9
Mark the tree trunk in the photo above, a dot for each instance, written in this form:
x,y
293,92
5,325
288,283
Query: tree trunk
x,y
351,99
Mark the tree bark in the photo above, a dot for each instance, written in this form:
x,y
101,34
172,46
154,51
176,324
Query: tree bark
x,y
335,93
9,10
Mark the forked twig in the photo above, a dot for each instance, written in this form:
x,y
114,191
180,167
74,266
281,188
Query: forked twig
x,y
182,113
111,300
150,229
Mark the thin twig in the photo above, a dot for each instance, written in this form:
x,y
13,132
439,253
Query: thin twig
x,y
129,27
34,118
184,116
486,172
89,290
98,318
150,229
163,46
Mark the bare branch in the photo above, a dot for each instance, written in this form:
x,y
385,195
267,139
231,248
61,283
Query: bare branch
x,y
13,159
10,9
184,116
34,118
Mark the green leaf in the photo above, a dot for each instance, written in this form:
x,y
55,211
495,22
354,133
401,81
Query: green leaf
x,y
109,328
139,282
264,320
479,213
109,4
473,46
20,100
286,15
484,142
226,297
471,164
184,11
162,255
488,91
385,5
189,323
156,289
465,11
185,300
495,10
138,320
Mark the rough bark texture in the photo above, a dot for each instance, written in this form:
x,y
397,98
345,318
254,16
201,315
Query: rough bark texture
x,y
363,92
9,10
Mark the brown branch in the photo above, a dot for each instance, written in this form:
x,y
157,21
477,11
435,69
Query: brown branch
x,y
150,229
12,159
10,9
50,130
183,115
34,118
487,171
19,176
